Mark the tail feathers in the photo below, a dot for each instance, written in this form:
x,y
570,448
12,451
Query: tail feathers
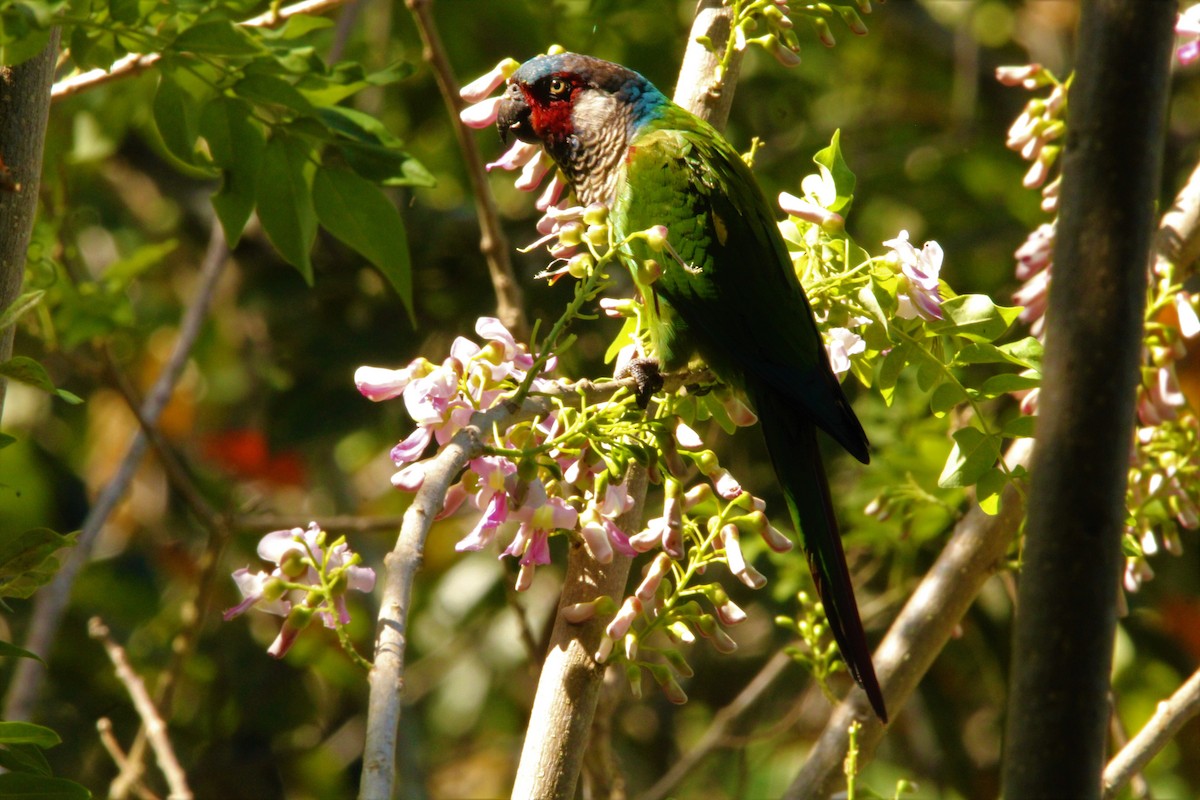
x,y
792,443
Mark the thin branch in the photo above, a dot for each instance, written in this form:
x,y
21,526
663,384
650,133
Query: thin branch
x,y
346,523
108,741
975,550
137,63
51,602
717,733
156,729
510,304
1169,717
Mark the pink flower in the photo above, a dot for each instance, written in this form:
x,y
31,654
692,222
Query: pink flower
x,y
489,82
377,383
811,212
841,343
1188,24
921,295
303,571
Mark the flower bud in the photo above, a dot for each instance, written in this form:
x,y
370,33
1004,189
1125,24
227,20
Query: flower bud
x,y
293,563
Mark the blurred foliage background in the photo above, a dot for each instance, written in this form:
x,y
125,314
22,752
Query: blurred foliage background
x,y
273,432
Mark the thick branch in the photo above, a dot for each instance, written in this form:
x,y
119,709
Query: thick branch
x,y
136,63
570,682
925,624
24,110
51,601
510,304
694,90
1067,602
1169,717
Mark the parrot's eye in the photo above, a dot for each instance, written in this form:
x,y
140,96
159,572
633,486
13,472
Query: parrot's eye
x,y
558,87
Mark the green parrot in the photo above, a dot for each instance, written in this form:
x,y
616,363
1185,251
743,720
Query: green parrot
x,y
727,293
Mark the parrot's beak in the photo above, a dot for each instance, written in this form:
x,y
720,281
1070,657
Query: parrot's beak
x,y
514,116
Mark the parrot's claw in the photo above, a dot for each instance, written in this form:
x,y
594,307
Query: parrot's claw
x,y
646,374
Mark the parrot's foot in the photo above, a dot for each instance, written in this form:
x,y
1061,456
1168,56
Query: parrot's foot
x,y
646,374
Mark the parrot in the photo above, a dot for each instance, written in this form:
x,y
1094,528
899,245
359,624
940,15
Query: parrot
x,y
727,294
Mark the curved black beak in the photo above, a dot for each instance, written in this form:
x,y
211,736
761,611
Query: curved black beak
x,y
514,116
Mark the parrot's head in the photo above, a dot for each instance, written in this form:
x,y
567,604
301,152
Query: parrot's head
x,y
583,111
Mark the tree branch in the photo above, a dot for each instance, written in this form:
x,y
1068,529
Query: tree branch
x,y
156,729
569,686
51,602
1067,600
510,303
717,732
137,63
24,111
1169,717
924,625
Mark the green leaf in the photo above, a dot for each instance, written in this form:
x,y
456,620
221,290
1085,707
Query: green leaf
x,y
10,650
19,306
371,150
218,37
975,317
889,371
180,98
988,490
973,454
626,336
264,89
237,143
27,733
830,159
1027,352
26,758
1021,427
929,374
945,397
1008,382
26,559
24,30
297,26
120,273
125,11
358,213
26,370
286,211
40,787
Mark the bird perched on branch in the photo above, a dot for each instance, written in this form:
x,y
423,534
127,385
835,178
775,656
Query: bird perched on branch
x,y
727,291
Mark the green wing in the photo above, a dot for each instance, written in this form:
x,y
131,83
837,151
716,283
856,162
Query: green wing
x,y
731,295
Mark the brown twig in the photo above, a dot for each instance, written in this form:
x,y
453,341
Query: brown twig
x,y
108,741
156,729
510,305
1169,717
717,733
136,63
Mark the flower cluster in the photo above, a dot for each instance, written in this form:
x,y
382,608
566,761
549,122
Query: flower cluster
x,y
1041,123
1164,483
310,578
